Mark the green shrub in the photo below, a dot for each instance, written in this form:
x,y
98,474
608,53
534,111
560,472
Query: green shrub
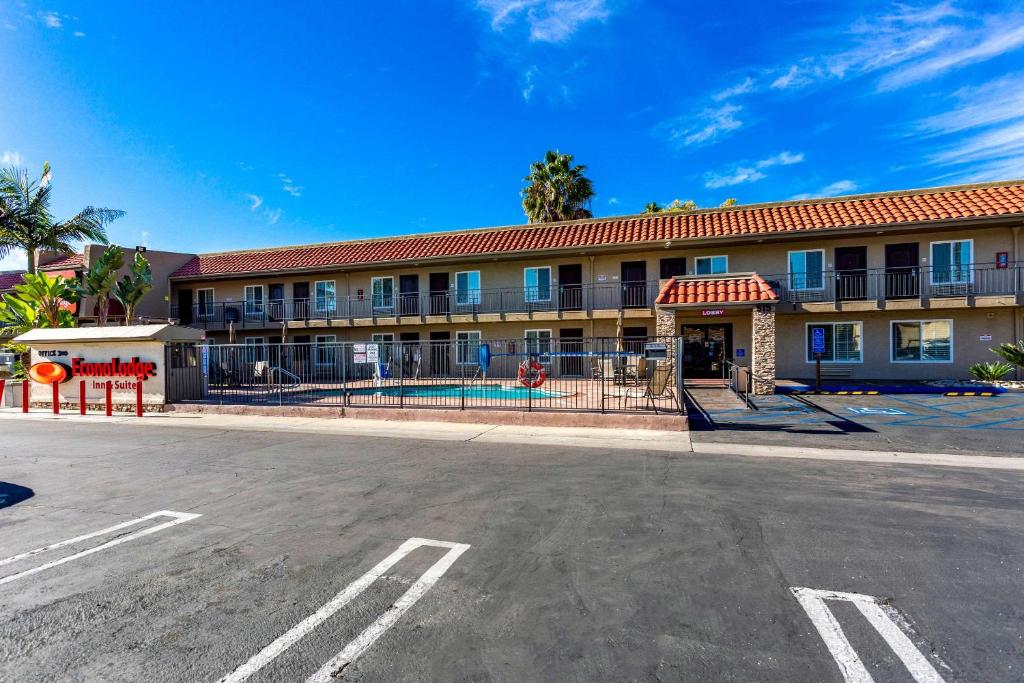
x,y
991,372
1011,353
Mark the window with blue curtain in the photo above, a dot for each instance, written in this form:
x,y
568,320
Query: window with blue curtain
x,y
951,262
537,283
806,269
467,288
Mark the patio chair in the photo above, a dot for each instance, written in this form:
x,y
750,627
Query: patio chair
x,y
658,386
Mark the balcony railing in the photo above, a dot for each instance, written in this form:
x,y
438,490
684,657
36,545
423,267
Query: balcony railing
x,y
885,284
558,298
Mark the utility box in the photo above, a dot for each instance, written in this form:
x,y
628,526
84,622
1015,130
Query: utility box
x,y
656,351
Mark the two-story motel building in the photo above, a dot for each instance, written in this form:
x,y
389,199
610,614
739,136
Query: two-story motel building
x,y
906,285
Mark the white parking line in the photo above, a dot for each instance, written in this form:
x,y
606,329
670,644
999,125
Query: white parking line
x,y
850,664
365,639
178,518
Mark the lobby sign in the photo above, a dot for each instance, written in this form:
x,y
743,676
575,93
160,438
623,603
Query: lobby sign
x,y
712,312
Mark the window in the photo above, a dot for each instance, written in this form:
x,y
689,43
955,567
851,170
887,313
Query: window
x,y
921,341
537,283
204,304
386,341
255,349
467,348
326,301
254,301
467,288
383,293
951,262
806,269
843,342
670,267
325,349
710,265
538,345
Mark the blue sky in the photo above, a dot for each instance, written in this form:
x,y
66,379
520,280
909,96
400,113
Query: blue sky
x,y
220,126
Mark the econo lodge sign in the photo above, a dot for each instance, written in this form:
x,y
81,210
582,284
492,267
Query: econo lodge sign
x,y
129,371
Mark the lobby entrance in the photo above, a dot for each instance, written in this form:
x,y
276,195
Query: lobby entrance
x,y
705,349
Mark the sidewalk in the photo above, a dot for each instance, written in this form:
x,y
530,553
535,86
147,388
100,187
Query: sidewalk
x,y
674,443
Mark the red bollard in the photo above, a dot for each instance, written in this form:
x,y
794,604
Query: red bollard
x,y
110,398
81,397
56,398
138,398
3,383
24,396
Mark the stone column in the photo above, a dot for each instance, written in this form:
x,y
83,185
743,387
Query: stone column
x,y
665,327
762,356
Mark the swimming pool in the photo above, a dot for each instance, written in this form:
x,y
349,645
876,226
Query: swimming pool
x,y
493,391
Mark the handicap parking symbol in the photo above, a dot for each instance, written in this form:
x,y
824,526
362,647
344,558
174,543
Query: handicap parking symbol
x,y
857,410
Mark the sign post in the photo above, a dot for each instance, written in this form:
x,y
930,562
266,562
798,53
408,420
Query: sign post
x,y
817,348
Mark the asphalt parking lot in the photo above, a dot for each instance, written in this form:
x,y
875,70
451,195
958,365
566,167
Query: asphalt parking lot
x,y
172,554
923,423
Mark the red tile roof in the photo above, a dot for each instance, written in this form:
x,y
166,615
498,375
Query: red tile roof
x,y
918,206
70,261
729,289
9,280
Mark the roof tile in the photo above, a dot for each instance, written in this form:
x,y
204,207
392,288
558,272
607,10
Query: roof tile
x,y
850,212
724,289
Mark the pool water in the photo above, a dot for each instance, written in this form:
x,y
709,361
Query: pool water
x,y
494,391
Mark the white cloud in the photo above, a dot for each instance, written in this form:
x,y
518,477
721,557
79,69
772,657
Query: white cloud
x,y
993,102
741,88
794,78
995,143
255,201
749,173
273,215
705,127
11,159
838,187
50,19
550,21
78,34
613,201
289,186
993,40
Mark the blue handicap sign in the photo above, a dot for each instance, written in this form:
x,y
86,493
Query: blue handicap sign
x,y
817,340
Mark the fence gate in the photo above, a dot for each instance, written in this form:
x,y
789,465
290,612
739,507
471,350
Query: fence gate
x,y
186,364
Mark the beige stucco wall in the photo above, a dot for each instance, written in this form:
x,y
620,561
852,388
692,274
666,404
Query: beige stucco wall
x,y
968,326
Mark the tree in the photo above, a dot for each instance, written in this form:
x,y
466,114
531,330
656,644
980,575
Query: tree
x,y
1011,353
556,190
132,288
100,279
678,206
731,201
652,207
26,222
40,301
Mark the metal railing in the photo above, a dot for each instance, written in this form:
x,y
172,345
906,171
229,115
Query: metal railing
x,y
739,380
593,374
560,298
881,284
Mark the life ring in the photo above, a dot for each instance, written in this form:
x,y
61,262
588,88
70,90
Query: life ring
x,y
537,380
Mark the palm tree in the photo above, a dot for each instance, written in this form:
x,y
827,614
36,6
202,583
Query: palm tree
x,y
100,279
132,288
652,207
557,190
26,222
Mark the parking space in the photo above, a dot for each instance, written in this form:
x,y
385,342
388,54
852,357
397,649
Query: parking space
x,y
296,556
915,422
